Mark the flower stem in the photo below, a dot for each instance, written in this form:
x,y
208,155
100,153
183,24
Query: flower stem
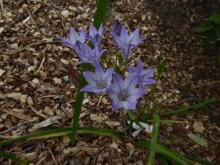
x,y
100,15
122,114
152,152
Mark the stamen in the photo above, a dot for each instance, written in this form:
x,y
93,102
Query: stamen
x,y
101,84
123,95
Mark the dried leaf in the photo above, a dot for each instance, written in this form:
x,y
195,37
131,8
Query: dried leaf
x,y
45,123
73,76
2,72
198,127
98,118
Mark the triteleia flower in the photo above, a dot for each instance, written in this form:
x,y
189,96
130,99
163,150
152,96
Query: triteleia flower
x,y
94,34
125,41
124,93
143,75
99,81
73,37
116,28
88,55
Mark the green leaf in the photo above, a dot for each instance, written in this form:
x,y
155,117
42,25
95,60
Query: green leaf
x,y
160,66
217,31
155,133
172,155
164,161
211,35
203,162
169,154
215,19
13,157
132,115
199,140
99,132
190,109
203,28
61,132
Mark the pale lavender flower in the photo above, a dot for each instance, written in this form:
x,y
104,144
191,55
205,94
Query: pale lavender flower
x,y
73,37
143,75
95,35
87,54
116,28
99,81
93,32
125,41
124,93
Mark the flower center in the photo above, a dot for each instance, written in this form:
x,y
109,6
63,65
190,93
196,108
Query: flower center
x,y
123,95
101,84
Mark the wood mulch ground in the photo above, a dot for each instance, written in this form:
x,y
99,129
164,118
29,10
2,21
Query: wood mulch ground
x,y
35,93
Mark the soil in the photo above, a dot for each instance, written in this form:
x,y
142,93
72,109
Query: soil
x,y
35,93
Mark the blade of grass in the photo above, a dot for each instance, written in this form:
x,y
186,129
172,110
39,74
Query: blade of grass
x,y
100,15
13,157
190,109
168,153
99,132
61,132
77,110
152,152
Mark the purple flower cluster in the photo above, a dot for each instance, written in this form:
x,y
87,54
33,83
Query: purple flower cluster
x,y
124,93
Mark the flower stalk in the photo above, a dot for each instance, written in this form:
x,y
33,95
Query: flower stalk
x,y
152,152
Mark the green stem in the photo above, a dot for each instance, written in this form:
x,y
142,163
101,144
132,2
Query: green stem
x,y
100,15
101,12
152,152
123,122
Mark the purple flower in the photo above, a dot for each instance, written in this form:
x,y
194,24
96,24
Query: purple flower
x,y
125,41
94,32
88,55
124,93
95,35
116,28
99,81
143,76
73,37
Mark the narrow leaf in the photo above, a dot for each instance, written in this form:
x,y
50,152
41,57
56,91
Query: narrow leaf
x,y
190,109
13,157
61,132
215,19
203,28
199,140
152,152
169,154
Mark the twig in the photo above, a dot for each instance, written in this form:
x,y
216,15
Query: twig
x,y
38,113
52,155
96,155
12,128
17,115
99,102
206,84
2,7
33,44
34,22
46,96
41,64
